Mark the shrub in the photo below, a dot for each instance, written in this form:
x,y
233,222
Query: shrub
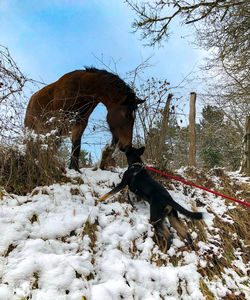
x,y
25,166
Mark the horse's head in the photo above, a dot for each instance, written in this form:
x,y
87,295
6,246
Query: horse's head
x,y
121,120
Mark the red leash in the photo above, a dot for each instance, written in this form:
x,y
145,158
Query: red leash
x,y
200,187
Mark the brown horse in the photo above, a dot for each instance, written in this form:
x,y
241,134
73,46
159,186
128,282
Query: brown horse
x,y
66,105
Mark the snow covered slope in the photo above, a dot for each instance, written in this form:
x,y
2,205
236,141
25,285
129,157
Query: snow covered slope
x,y
59,243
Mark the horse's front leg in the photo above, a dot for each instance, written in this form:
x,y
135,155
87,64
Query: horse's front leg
x,y
107,160
77,132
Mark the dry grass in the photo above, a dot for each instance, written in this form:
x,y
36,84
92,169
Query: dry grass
x,y
23,170
90,230
232,235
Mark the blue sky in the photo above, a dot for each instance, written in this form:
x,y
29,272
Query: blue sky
x,y
49,38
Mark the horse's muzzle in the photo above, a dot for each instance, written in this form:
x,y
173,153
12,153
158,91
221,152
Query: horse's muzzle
x,y
123,148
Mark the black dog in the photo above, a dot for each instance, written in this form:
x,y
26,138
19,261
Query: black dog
x,y
161,203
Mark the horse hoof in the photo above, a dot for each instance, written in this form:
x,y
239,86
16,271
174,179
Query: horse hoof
x,y
75,168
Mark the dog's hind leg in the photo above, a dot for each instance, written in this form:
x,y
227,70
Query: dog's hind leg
x,y
157,219
181,229
129,200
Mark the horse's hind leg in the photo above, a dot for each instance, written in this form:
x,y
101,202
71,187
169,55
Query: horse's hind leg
x,y
77,132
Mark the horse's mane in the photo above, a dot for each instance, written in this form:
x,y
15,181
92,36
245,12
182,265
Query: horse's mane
x,y
113,79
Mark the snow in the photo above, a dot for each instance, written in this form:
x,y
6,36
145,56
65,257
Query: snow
x,y
58,244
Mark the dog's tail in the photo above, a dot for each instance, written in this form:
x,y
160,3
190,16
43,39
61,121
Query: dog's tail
x,y
184,211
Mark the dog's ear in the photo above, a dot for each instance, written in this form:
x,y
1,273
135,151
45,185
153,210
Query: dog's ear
x,y
140,151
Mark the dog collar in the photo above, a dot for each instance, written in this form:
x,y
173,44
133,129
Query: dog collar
x,y
138,164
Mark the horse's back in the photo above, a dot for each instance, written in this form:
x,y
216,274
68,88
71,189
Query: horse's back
x,y
39,103
53,97
42,97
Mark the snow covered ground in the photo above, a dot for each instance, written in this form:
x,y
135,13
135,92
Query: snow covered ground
x,y
59,243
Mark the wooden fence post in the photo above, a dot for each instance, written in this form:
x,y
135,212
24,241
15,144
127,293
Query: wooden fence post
x,y
245,166
192,138
164,126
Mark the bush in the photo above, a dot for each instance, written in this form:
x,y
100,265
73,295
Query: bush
x,y
25,166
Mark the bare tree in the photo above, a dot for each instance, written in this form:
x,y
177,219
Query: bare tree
x,y
164,126
152,119
245,166
12,99
223,91
12,80
221,26
192,136
156,16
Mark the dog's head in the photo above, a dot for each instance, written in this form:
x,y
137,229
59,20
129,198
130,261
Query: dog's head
x,y
134,155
